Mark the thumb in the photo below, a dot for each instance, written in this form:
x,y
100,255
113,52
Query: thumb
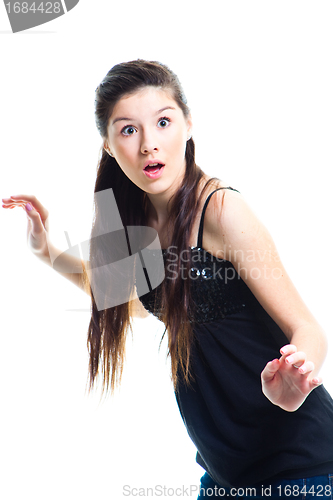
x,y
34,218
269,371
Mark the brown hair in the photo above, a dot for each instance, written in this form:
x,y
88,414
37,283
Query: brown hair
x,y
107,329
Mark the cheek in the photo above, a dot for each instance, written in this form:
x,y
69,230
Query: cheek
x,y
179,141
125,150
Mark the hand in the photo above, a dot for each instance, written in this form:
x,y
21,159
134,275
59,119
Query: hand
x,y
287,381
38,225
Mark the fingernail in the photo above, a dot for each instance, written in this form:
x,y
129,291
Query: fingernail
x,y
28,207
290,359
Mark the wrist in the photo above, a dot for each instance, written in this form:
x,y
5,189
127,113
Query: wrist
x,y
45,254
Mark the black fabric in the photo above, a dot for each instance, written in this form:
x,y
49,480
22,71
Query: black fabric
x,y
214,288
241,437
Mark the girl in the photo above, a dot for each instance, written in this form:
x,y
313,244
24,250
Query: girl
x,y
245,350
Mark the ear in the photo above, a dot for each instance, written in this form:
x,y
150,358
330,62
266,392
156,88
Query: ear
x,y
189,125
106,148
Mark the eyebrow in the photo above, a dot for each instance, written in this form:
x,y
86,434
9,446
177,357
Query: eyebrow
x,y
131,119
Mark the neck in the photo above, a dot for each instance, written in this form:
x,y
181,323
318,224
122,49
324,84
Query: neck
x,y
160,210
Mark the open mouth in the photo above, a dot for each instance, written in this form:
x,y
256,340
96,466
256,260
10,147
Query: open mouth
x,y
153,168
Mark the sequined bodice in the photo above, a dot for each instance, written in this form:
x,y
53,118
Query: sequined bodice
x,y
216,289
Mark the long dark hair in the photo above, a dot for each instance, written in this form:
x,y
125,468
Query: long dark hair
x,y
108,328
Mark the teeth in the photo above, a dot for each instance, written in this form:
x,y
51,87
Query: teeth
x,y
152,164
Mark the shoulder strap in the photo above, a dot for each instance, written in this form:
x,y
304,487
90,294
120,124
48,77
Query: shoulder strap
x,y
199,241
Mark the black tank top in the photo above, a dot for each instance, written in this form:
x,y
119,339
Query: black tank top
x,y
241,437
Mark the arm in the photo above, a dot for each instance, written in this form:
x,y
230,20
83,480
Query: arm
x,y
236,234
80,279
68,261
39,243
38,238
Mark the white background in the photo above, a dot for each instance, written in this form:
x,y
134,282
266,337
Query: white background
x,y
258,77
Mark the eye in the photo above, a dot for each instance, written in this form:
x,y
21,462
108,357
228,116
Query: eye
x,y
128,130
164,122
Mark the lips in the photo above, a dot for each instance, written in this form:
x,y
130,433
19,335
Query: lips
x,y
153,164
153,168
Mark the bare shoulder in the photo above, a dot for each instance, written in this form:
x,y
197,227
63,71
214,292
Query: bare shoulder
x,y
229,221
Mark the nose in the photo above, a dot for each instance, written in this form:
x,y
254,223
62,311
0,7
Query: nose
x,y
149,143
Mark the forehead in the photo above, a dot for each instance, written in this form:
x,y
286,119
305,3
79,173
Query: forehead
x,y
143,102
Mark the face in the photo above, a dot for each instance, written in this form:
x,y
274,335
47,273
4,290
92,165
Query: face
x,y
146,128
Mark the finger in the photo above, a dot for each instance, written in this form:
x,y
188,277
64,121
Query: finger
x,y
11,201
270,369
297,359
25,198
6,204
12,205
35,219
21,197
316,381
288,349
306,368
36,205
